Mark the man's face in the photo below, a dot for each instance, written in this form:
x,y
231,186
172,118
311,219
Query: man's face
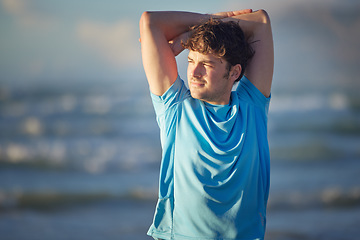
x,y
208,78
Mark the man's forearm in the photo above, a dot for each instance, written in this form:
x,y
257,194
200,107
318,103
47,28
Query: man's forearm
x,y
173,23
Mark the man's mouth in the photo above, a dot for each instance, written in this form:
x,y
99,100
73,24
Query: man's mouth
x,y
197,83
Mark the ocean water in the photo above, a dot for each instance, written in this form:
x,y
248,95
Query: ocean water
x,y
82,161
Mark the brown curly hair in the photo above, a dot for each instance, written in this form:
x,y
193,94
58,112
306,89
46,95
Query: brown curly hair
x,y
223,39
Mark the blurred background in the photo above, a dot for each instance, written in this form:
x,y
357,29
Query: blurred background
x,y
79,144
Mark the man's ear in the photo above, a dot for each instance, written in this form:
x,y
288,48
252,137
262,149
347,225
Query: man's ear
x,y
235,72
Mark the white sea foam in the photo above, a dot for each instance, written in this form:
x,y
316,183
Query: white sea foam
x,y
308,103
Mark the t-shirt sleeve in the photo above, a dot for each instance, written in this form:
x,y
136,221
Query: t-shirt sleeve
x,y
249,93
175,94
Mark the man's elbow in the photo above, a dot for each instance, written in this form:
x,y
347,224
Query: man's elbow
x,y
148,22
144,20
263,16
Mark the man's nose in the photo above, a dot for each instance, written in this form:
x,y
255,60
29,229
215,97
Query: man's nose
x,y
197,71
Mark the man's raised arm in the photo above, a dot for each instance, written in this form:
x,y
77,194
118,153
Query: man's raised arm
x,y
257,28
157,29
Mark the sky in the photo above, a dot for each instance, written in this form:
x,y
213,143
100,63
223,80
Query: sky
x,y
86,40
82,40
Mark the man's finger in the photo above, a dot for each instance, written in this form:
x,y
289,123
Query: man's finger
x,y
232,13
244,11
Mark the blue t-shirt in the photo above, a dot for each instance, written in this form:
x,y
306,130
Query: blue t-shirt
x,y
214,176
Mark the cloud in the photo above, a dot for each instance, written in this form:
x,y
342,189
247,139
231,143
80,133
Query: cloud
x,y
116,43
25,15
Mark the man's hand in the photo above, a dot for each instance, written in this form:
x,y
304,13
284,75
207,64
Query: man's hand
x,y
175,44
231,13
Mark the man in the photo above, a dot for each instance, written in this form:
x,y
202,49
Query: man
x,y
214,177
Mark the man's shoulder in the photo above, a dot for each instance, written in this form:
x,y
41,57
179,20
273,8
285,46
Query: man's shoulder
x,y
249,93
177,93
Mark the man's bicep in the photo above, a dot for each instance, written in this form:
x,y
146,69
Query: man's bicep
x,y
260,68
158,59
159,65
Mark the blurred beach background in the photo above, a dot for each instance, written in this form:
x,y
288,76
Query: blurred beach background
x,y
79,144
